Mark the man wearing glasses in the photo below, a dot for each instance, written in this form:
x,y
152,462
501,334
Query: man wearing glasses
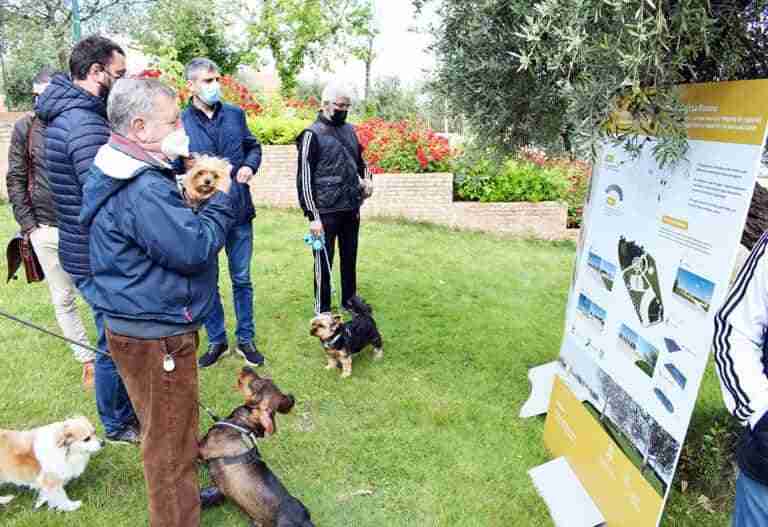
x,y
74,111
332,182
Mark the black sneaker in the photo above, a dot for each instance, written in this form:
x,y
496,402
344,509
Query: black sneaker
x,y
127,436
214,353
249,352
210,496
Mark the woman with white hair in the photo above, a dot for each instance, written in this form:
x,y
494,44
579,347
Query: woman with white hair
x,y
332,182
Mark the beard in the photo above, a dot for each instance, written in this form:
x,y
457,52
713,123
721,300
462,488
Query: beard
x,y
104,91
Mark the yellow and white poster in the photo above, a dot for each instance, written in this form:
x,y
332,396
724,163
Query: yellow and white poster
x,y
656,257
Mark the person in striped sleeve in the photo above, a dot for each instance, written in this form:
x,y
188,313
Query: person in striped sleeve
x,y
739,346
332,181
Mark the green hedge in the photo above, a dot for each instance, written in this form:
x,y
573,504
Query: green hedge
x,y
489,180
277,130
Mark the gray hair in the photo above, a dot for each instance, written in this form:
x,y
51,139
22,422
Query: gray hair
x,y
335,89
197,65
131,98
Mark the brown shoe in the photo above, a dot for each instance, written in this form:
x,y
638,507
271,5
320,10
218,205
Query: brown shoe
x,y
88,375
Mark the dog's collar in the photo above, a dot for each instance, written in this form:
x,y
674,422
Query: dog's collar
x,y
244,432
331,343
250,456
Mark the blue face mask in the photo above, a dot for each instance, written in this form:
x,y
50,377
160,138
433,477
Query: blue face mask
x,y
210,93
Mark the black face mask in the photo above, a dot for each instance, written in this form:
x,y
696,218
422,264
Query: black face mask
x,y
339,117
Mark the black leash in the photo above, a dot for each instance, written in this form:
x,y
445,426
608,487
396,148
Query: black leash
x,y
51,333
41,329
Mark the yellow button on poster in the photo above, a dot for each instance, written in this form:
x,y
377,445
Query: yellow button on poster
x,y
618,489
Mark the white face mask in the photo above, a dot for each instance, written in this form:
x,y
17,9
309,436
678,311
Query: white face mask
x,y
175,145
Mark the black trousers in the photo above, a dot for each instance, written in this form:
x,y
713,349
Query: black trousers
x,y
344,226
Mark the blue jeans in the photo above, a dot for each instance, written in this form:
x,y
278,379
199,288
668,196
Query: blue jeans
x,y
112,401
751,509
239,246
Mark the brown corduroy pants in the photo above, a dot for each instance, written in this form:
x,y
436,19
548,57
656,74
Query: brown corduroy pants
x,y
166,405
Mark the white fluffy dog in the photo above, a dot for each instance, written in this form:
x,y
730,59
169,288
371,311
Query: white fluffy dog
x,y
47,458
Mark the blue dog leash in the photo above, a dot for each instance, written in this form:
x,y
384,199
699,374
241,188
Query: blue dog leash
x,y
317,243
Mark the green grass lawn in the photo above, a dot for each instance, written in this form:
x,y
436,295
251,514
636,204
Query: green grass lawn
x,y
432,430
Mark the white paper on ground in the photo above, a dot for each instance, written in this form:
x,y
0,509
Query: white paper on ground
x,y
568,502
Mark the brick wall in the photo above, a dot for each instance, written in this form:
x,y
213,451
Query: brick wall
x,y
419,197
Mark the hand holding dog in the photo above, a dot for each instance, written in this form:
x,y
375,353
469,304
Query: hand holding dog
x,y
244,175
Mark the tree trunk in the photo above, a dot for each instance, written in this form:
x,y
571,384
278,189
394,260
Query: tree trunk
x,y
367,77
368,64
757,217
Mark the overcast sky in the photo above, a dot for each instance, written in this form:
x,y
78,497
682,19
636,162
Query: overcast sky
x,y
401,51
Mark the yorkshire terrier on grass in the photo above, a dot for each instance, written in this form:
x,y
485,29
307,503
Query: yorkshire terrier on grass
x,y
341,340
205,175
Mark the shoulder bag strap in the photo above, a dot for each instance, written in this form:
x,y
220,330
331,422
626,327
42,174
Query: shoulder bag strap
x,y
30,160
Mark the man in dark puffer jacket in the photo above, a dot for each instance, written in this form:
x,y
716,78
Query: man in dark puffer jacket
x,y
74,110
33,208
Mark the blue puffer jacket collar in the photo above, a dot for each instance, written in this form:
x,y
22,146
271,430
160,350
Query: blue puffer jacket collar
x,y
62,95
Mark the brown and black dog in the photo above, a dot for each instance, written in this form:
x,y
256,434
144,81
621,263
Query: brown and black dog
x,y
341,340
235,465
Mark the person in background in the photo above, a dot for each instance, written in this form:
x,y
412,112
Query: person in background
x,y
34,210
332,181
220,130
74,110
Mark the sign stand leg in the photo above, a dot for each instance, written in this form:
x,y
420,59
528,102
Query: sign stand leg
x,y
569,503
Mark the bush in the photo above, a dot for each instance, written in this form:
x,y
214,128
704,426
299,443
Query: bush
x,y
277,130
708,459
577,172
171,72
514,180
403,146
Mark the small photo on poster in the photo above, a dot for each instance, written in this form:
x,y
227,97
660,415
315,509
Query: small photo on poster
x,y
673,373
637,350
664,400
603,271
590,317
674,347
694,289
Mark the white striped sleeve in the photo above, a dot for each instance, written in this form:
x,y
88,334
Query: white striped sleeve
x,y
306,177
740,326
366,172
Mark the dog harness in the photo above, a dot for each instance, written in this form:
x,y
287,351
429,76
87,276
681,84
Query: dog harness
x,y
330,344
249,457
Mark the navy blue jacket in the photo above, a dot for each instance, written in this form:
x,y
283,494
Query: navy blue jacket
x,y
153,258
226,135
77,127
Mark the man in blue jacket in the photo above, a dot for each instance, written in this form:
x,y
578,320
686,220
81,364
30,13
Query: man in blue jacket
x,y
154,274
220,129
74,111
